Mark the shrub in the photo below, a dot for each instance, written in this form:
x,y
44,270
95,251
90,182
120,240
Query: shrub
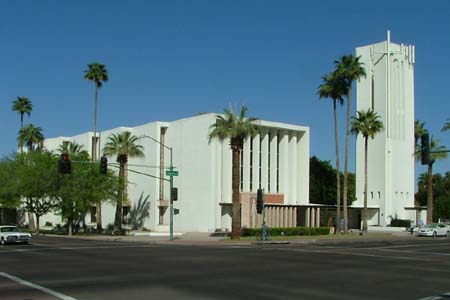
x,y
287,231
48,224
400,223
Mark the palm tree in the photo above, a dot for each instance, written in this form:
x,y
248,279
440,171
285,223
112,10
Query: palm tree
x,y
98,74
368,124
236,128
446,125
74,150
334,87
437,152
23,106
123,145
31,136
419,130
350,68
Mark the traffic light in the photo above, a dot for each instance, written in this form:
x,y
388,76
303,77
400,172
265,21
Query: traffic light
x,y
174,194
64,164
425,149
103,165
259,201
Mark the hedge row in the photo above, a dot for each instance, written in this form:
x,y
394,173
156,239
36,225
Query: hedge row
x,y
400,223
287,231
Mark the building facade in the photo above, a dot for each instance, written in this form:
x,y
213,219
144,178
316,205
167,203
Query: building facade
x,y
276,160
388,89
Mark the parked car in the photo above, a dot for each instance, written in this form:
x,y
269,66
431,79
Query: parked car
x,y
13,235
434,229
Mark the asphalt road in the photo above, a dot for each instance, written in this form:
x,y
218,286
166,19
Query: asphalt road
x,y
55,268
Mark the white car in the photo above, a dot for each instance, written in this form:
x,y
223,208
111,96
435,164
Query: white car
x,y
434,229
12,235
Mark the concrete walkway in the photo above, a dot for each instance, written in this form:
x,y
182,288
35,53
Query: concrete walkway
x,y
205,239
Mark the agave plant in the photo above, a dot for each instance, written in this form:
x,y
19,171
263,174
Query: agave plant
x,y
139,212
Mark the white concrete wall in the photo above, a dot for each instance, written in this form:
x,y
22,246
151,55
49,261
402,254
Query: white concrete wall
x,y
391,152
205,169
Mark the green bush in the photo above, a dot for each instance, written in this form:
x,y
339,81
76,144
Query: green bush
x,y
287,231
400,223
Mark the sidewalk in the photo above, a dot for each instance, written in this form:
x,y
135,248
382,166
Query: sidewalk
x,y
205,239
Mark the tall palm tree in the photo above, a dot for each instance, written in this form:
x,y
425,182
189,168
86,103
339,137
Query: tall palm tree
x,y
334,87
123,145
98,74
236,128
446,125
350,68
23,106
31,136
419,130
436,153
368,124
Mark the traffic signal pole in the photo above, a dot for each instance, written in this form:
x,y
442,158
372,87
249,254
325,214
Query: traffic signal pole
x,y
171,195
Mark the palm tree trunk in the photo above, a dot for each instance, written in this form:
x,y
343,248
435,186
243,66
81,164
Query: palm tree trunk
x,y
94,158
430,194
37,224
236,206
338,175
347,141
69,227
118,219
21,127
365,185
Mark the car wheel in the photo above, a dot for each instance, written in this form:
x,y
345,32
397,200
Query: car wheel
x,y
2,241
448,234
434,233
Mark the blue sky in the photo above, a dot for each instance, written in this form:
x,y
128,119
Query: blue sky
x,y
174,59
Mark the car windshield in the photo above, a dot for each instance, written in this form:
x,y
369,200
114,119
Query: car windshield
x,y
9,229
431,226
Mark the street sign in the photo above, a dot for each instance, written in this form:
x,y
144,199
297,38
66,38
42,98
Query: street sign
x,y
171,173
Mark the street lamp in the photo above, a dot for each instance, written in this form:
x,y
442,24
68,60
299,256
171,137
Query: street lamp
x,y
171,174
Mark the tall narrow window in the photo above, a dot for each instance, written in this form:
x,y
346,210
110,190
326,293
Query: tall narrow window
x,y
242,169
94,144
260,159
373,94
268,163
278,163
251,164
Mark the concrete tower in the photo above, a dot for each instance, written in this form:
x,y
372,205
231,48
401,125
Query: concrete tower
x,y
388,89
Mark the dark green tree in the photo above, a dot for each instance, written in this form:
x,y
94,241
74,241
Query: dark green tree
x,y
22,105
32,137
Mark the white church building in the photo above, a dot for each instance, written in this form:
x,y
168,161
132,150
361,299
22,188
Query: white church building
x,y
388,89
277,160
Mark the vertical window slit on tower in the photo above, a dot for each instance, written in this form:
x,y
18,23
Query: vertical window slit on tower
x,y
251,164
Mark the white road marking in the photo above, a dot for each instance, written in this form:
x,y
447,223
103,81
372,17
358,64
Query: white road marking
x,y
37,287
415,252
75,248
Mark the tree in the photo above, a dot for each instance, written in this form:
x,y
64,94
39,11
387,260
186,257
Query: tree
x,y
80,190
37,181
335,87
22,105
441,194
368,124
436,153
31,136
349,69
98,74
236,128
446,125
123,145
74,150
322,183
419,130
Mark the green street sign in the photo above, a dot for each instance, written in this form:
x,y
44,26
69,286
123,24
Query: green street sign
x,y
171,173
